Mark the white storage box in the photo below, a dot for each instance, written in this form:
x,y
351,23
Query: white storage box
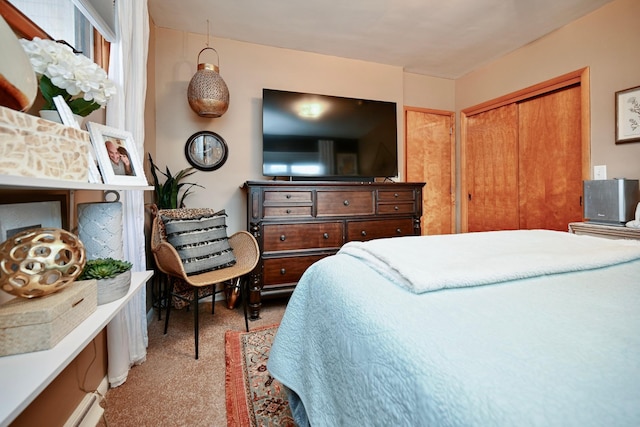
x,y
28,325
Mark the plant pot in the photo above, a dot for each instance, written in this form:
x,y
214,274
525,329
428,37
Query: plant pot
x,y
114,288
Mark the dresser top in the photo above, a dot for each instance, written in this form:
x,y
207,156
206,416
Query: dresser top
x,y
330,184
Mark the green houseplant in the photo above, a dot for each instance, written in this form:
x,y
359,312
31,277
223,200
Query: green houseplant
x,y
168,192
113,277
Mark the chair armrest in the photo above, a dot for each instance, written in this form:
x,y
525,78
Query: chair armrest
x,y
168,260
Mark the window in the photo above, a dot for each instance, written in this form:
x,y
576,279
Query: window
x,y
63,20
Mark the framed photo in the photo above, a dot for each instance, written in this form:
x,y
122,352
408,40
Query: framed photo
x,y
628,115
65,112
347,163
33,210
117,155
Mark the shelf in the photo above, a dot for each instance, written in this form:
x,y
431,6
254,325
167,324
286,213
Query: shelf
x,y
25,376
24,182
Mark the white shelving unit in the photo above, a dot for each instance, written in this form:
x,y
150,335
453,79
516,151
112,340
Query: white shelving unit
x,y
9,182
25,376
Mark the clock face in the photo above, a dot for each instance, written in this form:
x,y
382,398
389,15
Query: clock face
x,y
206,150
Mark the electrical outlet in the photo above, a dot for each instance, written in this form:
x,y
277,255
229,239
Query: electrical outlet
x,y
600,172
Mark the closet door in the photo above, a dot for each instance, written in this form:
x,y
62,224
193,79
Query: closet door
x,y
491,169
430,158
550,147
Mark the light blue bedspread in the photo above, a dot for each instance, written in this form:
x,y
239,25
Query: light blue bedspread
x,y
559,350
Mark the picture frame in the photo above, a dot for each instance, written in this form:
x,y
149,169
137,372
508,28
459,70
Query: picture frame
x,y
347,163
65,113
628,115
33,209
111,144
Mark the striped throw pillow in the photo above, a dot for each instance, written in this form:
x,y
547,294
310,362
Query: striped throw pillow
x,y
201,242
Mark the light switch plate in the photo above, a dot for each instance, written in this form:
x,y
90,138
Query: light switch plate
x,y
600,172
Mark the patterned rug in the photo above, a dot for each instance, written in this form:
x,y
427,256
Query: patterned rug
x,y
254,397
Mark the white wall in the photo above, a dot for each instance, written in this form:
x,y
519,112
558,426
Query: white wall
x,y
247,69
607,42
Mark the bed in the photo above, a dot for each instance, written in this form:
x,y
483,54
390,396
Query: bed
x,y
509,328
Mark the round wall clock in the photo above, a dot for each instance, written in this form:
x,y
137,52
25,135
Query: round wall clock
x,y
206,150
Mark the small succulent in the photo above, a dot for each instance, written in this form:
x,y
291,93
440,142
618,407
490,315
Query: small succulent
x,y
104,268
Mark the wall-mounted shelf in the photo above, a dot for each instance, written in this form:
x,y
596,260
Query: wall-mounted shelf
x,y
31,183
30,373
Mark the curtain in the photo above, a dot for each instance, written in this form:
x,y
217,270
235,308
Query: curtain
x,y
127,337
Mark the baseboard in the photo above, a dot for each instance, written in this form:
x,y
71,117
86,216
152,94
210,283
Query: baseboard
x,y
89,412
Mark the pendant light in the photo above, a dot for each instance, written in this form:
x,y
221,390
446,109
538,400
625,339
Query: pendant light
x,y
208,94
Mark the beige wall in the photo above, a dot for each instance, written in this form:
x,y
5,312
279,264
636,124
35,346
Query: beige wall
x,y
606,41
247,69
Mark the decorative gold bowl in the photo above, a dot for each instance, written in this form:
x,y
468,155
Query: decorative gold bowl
x,y
40,261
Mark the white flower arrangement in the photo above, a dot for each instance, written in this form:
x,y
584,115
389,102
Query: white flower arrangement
x,y
80,81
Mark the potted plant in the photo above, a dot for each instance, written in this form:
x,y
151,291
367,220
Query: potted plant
x,y
61,71
168,192
113,277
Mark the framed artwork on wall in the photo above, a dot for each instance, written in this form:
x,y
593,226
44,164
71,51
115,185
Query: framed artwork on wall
x,y
33,211
628,115
117,155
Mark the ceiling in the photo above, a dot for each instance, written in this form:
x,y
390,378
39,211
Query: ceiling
x,y
440,38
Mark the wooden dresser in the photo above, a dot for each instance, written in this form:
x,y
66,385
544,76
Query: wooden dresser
x,y
298,223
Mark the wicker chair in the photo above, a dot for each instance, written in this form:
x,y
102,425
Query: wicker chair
x,y
245,249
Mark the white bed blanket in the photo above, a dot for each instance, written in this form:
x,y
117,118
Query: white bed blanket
x,y
428,263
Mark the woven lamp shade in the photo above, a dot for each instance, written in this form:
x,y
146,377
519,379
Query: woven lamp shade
x,y
208,94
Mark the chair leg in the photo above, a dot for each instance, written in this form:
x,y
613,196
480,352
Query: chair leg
x,y
244,289
195,318
168,291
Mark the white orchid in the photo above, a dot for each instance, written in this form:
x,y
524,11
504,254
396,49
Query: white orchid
x,y
81,82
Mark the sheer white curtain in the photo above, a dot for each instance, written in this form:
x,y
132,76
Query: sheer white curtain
x,y
127,333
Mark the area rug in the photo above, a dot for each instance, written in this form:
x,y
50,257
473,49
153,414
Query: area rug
x,y
254,397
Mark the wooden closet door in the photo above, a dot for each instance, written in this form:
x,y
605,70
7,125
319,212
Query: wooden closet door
x,y
430,151
550,160
491,169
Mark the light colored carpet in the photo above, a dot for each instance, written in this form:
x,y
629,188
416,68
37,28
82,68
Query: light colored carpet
x,y
172,388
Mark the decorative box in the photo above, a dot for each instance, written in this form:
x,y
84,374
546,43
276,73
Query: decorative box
x,y
28,325
35,147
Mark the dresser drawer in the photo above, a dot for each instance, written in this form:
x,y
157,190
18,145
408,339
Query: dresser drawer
x,y
398,208
377,229
283,237
287,211
388,196
345,203
283,197
287,270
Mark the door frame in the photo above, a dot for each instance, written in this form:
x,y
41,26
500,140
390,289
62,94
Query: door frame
x,y
580,77
452,144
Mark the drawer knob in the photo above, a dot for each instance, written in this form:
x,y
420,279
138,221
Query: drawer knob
x,y
363,233
398,231
288,211
346,203
395,208
283,238
288,196
325,235
395,195
283,271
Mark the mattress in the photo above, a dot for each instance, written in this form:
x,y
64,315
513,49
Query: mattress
x,y
557,349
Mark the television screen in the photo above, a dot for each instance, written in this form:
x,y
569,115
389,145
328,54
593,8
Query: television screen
x,y
320,136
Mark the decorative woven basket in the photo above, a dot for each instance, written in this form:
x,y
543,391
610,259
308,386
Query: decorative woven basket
x,y
115,288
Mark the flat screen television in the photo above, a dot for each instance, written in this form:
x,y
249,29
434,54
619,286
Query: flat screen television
x,y
310,136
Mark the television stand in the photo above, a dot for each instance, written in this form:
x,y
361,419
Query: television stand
x,y
299,223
